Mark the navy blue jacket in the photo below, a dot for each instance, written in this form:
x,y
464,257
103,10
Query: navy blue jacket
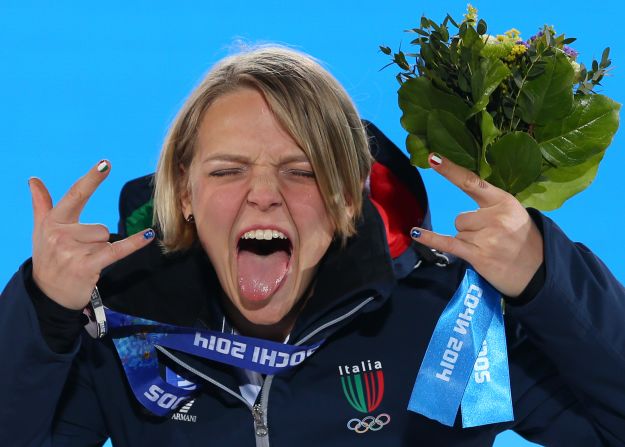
x,y
376,311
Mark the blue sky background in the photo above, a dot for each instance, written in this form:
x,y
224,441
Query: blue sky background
x,y
82,81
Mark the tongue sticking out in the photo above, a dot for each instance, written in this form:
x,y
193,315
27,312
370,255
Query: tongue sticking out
x,y
260,275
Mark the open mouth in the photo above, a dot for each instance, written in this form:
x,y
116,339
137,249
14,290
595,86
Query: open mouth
x,y
263,260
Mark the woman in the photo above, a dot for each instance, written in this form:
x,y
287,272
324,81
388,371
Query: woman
x,y
260,206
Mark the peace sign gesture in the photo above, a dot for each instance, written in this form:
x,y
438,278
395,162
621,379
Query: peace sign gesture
x,y
68,256
499,239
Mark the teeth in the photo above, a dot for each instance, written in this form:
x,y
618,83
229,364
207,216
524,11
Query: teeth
x,y
266,235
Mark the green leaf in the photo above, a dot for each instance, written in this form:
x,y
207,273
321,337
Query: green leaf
x,y
481,27
444,34
489,133
560,184
605,57
548,36
470,37
418,150
550,95
385,50
418,31
450,137
463,83
454,57
400,59
487,75
453,22
587,131
418,97
537,70
515,160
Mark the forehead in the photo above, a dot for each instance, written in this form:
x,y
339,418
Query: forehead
x,y
242,123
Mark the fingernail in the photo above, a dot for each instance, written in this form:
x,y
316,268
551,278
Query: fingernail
x,y
415,234
435,159
149,234
103,166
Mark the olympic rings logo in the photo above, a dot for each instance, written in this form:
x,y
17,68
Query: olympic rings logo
x,y
368,423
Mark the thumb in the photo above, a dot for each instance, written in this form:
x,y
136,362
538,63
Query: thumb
x,y
42,202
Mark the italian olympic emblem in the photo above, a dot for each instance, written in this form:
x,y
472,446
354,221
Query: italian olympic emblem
x,y
368,423
363,388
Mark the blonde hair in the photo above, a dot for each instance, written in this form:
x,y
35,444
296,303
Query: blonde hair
x,y
313,108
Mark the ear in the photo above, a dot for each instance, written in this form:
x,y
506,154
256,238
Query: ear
x,y
185,191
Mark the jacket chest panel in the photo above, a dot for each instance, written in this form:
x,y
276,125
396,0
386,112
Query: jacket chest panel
x,y
355,391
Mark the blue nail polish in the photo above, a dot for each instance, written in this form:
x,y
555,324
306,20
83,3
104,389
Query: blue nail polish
x,y
414,233
149,234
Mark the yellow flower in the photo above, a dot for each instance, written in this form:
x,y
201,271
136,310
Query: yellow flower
x,y
501,38
516,51
513,33
471,15
519,49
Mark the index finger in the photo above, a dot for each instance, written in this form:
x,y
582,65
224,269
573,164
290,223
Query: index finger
x,y
71,205
478,189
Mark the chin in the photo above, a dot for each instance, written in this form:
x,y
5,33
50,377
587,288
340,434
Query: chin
x,y
261,313
274,310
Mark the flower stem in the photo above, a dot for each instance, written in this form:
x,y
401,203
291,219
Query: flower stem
x,y
516,100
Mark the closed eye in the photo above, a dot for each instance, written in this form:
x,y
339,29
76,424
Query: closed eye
x,y
301,173
226,172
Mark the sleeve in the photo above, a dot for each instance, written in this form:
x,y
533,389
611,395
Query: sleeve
x,y
59,326
569,350
33,376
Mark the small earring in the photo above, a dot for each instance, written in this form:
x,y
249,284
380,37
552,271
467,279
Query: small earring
x,y
190,218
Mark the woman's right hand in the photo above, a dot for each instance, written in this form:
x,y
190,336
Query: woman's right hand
x,y
68,256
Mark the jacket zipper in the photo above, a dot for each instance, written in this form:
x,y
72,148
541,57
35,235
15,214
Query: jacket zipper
x,y
259,411
259,420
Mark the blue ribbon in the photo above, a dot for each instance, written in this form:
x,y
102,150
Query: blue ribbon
x,y
135,340
466,362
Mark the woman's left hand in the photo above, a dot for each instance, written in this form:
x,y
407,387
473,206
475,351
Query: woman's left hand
x,y
499,239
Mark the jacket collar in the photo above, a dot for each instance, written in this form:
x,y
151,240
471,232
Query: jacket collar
x,y
182,289
348,275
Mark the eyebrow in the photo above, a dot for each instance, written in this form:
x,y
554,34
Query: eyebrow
x,y
299,158
226,157
295,158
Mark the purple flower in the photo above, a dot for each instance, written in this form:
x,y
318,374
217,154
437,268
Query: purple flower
x,y
570,52
522,42
536,36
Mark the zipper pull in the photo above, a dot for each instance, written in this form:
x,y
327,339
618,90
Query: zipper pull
x,y
259,423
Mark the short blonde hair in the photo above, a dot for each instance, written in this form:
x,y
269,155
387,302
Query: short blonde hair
x,y
313,108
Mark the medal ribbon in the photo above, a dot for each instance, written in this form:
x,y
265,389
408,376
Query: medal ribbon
x,y
136,339
466,362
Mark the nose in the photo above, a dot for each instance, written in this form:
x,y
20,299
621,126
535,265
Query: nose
x,y
264,192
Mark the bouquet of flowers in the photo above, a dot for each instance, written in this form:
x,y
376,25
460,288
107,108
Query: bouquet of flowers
x,y
522,114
